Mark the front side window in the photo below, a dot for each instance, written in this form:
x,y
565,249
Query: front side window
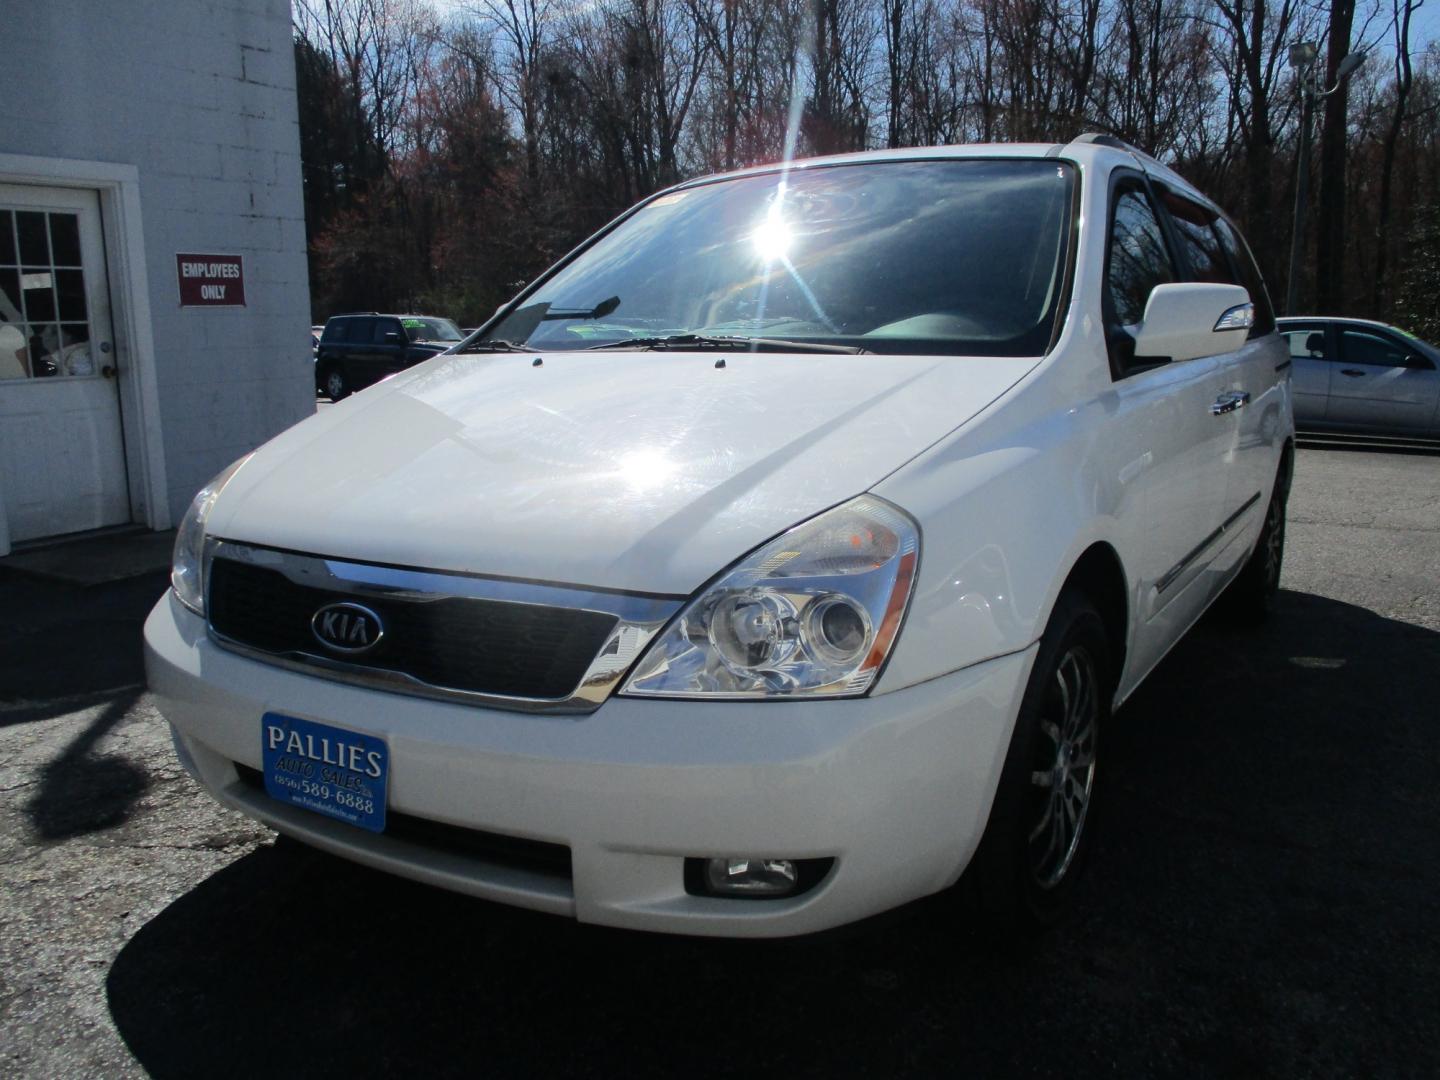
x,y
1359,347
1196,228
1138,259
1250,277
959,257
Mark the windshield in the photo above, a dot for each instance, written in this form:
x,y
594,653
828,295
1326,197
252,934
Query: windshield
x,y
430,329
962,257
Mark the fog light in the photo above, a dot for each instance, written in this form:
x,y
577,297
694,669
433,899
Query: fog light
x,y
751,877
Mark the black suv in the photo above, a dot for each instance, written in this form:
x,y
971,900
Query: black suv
x,y
363,348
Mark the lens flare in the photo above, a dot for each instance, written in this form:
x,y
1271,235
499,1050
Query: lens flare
x,y
772,238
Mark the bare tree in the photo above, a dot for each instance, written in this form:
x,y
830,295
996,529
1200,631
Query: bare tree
x,y
837,113
1251,47
525,29
1404,80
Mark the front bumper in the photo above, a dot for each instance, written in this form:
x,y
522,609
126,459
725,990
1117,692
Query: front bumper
x,y
896,787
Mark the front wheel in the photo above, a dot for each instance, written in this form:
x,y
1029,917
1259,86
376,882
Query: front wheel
x,y
336,387
1043,816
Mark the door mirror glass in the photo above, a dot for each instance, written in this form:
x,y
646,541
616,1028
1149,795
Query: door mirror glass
x,y
1187,320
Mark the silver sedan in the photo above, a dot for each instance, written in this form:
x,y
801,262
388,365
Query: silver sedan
x,y
1354,375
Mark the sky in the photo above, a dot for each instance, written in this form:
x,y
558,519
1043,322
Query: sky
x,y
1424,23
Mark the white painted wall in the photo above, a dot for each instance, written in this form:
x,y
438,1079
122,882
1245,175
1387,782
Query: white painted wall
x,y
200,97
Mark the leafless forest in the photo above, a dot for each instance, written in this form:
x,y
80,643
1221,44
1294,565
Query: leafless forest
x,y
451,153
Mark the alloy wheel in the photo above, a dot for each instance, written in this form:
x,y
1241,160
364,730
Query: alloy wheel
x,y
1274,543
1063,775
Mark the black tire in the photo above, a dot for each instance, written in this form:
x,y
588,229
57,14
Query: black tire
x,y
1028,860
334,384
1250,598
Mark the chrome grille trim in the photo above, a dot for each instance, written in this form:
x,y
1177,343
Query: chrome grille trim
x,y
638,619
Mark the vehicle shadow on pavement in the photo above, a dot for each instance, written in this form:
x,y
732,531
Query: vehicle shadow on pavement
x,y
1260,903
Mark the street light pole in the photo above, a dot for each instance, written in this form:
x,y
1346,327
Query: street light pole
x,y
1302,61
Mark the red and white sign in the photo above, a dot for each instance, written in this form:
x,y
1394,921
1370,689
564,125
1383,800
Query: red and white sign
x,y
211,280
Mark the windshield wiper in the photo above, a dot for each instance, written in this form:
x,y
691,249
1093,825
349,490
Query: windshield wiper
x,y
714,341
496,345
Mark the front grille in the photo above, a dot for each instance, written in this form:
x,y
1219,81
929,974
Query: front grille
x,y
535,856
458,643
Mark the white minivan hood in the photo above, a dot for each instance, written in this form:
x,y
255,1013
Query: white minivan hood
x,y
647,472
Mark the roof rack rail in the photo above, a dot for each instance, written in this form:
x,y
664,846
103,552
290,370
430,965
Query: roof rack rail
x,y
1101,138
340,314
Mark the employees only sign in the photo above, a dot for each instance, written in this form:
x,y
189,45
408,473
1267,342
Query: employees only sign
x,y
211,280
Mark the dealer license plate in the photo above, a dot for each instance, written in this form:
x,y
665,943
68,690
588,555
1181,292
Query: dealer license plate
x,y
334,772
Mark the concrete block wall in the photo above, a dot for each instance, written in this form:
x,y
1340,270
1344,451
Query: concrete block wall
x,y
200,96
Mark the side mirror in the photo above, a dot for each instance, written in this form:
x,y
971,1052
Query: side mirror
x,y
1187,320
394,336
1416,362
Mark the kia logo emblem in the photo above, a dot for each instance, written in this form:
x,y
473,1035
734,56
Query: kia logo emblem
x,y
347,628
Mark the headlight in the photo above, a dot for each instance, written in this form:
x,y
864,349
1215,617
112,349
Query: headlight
x,y
813,613
187,567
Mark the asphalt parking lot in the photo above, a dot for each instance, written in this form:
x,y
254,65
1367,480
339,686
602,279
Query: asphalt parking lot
x,y
1262,901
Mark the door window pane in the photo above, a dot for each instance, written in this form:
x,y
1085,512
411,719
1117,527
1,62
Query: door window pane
x,y
71,354
37,285
1139,259
386,326
70,295
65,239
34,245
14,356
7,239
10,295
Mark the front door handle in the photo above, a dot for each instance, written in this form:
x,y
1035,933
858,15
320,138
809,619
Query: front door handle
x,y
1351,372
1229,402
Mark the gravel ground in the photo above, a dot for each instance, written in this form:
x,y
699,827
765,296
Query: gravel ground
x,y
1261,901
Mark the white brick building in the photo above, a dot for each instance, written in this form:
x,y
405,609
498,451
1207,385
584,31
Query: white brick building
x,y
135,131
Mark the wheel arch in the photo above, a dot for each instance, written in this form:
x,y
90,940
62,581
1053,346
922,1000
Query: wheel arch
x,y
1099,575
1287,467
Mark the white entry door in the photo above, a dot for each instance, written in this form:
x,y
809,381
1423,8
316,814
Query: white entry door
x,y
62,453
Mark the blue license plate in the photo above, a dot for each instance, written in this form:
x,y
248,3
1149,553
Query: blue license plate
x,y
334,772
